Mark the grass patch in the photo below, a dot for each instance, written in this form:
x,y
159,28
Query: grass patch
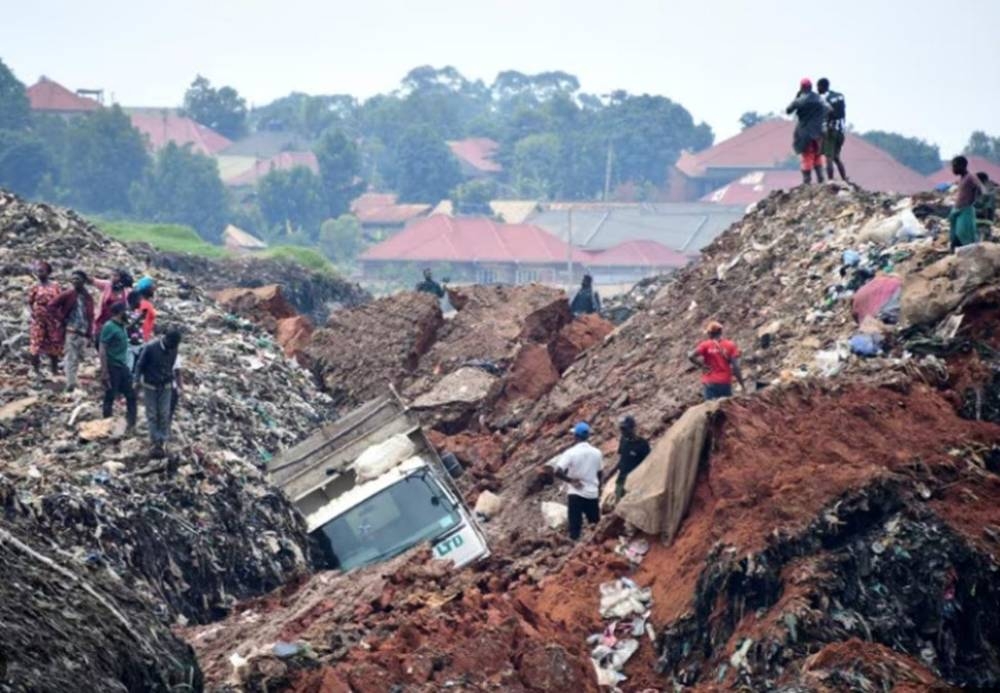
x,y
307,257
168,238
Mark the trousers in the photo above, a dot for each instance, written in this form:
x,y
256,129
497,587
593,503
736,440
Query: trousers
x,y
578,508
120,383
74,348
156,399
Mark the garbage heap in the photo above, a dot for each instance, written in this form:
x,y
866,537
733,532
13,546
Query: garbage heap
x,y
313,293
502,348
185,538
842,524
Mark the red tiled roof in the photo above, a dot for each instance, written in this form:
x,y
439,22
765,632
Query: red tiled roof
x,y
478,153
285,161
46,95
753,187
473,239
639,253
768,145
381,208
976,164
167,126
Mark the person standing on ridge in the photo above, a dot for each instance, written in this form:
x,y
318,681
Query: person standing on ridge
x,y
155,372
963,215
115,376
429,286
632,450
580,467
114,290
719,359
44,333
74,310
812,112
836,124
146,288
586,299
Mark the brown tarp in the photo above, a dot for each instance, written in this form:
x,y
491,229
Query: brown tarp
x,y
658,492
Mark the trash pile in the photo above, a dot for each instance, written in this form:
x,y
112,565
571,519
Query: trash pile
x,y
64,623
626,606
503,348
189,536
313,294
621,307
853,497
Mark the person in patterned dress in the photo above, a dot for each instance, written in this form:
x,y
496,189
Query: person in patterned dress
x,y
45,332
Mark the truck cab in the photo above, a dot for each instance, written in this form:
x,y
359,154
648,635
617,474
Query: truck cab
x,y
371,486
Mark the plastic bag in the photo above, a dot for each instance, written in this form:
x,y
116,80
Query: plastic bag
x,y
378,459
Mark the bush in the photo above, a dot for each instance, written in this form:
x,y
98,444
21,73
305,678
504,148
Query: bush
x,y
307,257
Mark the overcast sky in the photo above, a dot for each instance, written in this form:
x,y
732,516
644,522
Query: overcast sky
x,y
919,67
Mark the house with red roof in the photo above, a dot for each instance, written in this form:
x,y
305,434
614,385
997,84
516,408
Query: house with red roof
x,y
283,161
475,156
767,147
163,125
381,214
976,164
48,96
484,251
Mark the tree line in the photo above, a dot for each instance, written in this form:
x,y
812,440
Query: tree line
x,y
555,142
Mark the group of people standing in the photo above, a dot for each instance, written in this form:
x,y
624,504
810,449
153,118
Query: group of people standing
x,y
120,323
819,134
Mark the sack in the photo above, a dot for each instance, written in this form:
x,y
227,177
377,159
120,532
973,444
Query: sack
x,y
378,459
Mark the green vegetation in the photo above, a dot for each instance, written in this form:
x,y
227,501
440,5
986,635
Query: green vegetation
x,y
169,238
307,257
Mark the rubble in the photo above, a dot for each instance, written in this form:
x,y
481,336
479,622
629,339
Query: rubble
x,y
363,350
845,500
313,294
265,305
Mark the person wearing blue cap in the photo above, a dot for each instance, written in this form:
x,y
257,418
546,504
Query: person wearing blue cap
x,y
580,467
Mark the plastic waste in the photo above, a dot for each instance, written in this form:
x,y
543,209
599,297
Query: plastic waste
x,y
378,459
864,344
555,514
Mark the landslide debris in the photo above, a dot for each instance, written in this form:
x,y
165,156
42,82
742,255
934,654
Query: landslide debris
x,y
312,293
183,539
847,500
63,625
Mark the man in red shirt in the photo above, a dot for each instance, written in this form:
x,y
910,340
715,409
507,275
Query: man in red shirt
x,y
719,359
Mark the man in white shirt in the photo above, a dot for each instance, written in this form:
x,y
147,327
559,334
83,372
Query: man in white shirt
x,y
580,467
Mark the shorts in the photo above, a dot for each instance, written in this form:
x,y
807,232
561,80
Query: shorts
x,y
718,390
833,142
812,157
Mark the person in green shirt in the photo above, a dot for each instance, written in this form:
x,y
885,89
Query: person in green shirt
x,y
115,375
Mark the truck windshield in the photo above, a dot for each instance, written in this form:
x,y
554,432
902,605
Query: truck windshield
x,y
410,511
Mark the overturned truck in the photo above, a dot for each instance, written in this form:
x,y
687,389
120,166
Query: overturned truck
x,y
370,486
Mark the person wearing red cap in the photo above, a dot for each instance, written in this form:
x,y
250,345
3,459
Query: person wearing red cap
x,y
719,359
812,112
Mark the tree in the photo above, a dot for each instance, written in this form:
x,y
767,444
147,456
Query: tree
x,y
537,166
474,196
183,187
341,239
223,110
292,199
647,134
14,108
981,144
104,156
339,166
918,154
751,118
427,171
24,162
